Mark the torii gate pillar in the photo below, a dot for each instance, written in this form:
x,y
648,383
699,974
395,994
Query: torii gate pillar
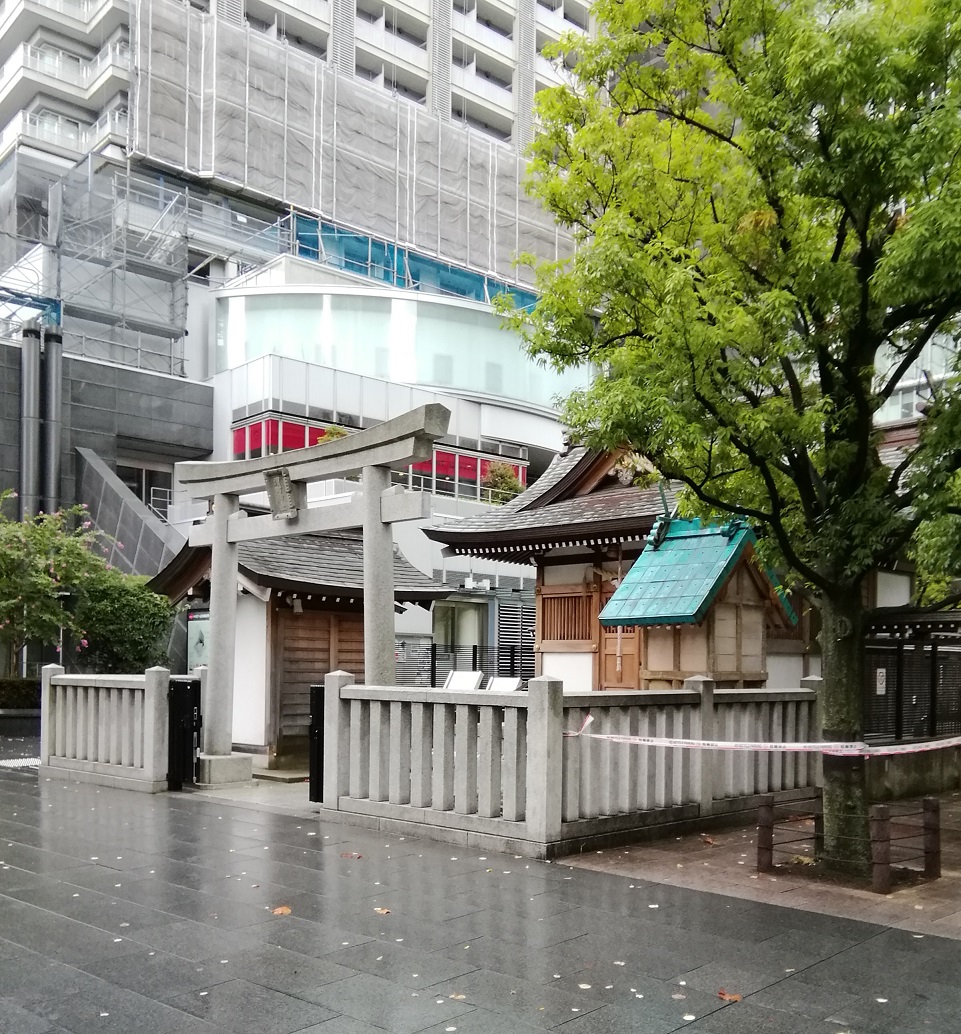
x,y
373,453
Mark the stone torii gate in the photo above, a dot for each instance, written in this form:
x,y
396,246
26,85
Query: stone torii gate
x,y
372,453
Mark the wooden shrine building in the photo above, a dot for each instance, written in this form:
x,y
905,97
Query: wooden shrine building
x,y
703,605
300,615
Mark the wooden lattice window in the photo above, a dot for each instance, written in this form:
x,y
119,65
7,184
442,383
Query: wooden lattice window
x,y
566,617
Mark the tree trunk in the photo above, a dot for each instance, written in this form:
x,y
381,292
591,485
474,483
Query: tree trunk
x,y
846,840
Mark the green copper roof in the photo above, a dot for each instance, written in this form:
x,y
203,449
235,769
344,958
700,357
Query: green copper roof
x,y
680,573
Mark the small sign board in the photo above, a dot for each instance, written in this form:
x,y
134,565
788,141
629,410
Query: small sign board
x,y
881,681
198,635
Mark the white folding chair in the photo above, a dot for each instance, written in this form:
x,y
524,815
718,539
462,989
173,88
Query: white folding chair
x,y
504,684
464,681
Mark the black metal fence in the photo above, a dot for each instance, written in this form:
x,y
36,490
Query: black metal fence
x,y
430,664
912,675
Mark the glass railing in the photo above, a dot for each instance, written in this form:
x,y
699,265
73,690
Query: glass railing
x,y
63,66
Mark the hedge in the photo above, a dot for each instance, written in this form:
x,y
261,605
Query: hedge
x,y
19,693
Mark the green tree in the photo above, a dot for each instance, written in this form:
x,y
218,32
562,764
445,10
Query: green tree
x,y
124,624
501,481
766,202
46,565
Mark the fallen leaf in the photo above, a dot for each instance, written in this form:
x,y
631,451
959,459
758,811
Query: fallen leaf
x,y
351,854
282,910
382,911
705,839
458,997
728,996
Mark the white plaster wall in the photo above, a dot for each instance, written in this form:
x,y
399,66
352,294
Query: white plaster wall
x,y
567,574
575,670
894,590
250,672
784,670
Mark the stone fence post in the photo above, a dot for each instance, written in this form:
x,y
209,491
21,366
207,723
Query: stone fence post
x,y
336,739
47,716
545,759
702,762
156,723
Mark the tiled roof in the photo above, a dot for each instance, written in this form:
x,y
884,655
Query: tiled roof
x,y
330,564
677,581
526,513
334,561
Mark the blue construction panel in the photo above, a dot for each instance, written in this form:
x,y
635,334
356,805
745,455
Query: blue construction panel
x,y
675,582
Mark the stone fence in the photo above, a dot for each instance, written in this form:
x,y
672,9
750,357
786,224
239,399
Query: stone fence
x,y
496,769
106,729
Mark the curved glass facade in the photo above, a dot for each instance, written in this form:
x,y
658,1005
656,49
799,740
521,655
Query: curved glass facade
x,y
422,340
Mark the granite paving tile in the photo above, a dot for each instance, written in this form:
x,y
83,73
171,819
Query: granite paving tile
x,y
33,978
9,950
155,974
101,910
13,878
194,941
245,1007
405,966
538,1004
482,1021
59,938
344,1025
306,937
16,1020
109,1010
743,1017
278,968
385,1004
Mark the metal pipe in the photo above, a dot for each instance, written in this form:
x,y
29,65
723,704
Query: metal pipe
x,y
30,420
52,416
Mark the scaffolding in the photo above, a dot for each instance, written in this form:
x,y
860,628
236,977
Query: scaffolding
x,y
110,247
231,105
117,258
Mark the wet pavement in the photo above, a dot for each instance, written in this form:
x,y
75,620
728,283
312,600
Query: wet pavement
x,y
185,914
725,862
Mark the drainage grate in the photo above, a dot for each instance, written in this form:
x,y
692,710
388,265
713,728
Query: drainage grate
x,y
20,763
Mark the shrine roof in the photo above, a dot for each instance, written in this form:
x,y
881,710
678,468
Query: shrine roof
x,y
681,572
329,564
548,513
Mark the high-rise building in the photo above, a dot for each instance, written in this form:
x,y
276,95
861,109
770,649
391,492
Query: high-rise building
x,y
264,218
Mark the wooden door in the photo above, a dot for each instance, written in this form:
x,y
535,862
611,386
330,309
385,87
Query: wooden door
x,y
312,644
620,654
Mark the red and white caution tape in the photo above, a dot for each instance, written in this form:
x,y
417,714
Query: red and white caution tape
x,y
834,748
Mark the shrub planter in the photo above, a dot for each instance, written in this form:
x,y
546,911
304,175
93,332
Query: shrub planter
x,y
19,721
19,707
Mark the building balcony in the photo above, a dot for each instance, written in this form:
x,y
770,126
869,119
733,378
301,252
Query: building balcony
x,y
554,22
480,37
546,71
63,139
84,20
31,70
485,91
388,46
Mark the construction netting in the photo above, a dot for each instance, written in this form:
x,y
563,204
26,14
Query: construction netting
x,y
231,104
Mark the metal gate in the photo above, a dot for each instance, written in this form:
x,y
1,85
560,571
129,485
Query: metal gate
x,y
912,673
183,734
315,744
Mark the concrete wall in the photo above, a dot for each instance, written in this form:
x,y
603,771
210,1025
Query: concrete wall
x,y
111,410
913,775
